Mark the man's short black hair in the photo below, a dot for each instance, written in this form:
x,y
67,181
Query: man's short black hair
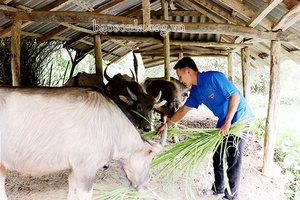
x,y
186,62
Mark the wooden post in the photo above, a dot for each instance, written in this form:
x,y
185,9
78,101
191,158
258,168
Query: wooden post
x,y
246,72
15,53
230,68
98,55
146,14
274,93
166,40
180,56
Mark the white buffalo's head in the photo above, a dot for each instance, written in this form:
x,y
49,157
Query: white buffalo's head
x,y
137,166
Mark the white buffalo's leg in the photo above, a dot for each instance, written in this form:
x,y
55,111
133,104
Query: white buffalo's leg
x,y
3,172
72,186
84,195
81,184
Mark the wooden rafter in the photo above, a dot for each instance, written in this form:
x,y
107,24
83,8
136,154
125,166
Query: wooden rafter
x,y
82,5
134,9
204,12
219,12
288,19
246,11
260,15
55,5
61,29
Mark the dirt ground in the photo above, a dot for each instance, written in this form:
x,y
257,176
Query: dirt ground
x,y
254,185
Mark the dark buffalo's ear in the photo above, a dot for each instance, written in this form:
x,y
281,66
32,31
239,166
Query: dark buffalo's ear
x,y
124,99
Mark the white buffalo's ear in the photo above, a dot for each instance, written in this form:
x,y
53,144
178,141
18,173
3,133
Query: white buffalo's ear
x,y
123,98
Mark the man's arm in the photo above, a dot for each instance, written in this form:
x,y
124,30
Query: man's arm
x,y
234,100
178,115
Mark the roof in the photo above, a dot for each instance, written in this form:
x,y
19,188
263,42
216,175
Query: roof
x,y
197,27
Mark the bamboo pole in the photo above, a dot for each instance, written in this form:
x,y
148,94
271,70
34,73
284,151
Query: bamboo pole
x,y
98,55
15,53
230,68
246,72
166,39
274,93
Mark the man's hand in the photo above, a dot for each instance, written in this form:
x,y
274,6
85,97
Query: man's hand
x,y
224,130
160,129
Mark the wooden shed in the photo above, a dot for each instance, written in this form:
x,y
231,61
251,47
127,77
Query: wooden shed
x,y
262,32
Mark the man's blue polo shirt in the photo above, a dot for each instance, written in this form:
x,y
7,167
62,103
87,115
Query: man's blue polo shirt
x,y
213,90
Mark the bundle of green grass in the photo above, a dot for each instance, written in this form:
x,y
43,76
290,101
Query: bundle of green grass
x,y
184,159
180,159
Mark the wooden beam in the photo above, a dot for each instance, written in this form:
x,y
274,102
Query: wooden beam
x,y
98,55
189,27
15,53
290,18
176,52
246,72
208,44
274,93
182,13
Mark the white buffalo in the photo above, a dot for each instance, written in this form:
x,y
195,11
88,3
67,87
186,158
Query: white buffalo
x,y
44,130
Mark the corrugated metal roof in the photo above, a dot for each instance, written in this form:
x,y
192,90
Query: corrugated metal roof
x,y
114,49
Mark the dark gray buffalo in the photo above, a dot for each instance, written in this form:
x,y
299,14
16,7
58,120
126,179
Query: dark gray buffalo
x,y
170,92
135,98
44,130
85,79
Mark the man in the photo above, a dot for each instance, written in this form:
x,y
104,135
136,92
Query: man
x,y
214,90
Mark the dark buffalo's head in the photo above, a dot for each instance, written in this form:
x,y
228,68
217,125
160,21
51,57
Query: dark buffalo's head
x,y
141,106
169,92
137,101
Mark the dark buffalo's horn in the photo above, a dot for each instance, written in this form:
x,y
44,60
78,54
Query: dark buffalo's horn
x,y
133,77
158,96
133,96
106,76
